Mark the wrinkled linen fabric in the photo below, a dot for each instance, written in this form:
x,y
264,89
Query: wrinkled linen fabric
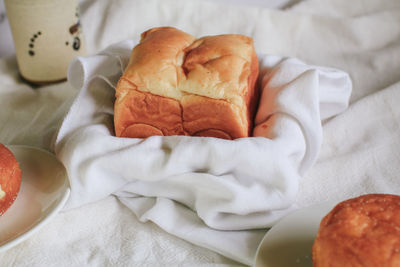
x,y
189,182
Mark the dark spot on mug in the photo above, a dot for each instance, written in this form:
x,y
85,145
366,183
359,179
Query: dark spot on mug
x,y
77,43
31,45
74,28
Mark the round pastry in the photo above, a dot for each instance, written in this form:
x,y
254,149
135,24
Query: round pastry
x,y
363,231
10,178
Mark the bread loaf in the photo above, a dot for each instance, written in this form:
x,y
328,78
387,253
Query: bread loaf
x,y
176,84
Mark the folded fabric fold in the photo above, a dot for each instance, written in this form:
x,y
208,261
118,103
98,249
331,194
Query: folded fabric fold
x,y
201,185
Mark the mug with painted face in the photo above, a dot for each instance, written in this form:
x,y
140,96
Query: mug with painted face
x,y
47,36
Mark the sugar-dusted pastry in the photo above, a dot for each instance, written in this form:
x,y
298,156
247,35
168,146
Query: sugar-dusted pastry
x,y
10,178
363,231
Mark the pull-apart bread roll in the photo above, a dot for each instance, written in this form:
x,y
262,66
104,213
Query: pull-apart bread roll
x,y
176,84
10,178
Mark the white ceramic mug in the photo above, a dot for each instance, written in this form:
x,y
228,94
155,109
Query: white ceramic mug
x,y
47,36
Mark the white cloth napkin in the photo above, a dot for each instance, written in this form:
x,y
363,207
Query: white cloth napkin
x,y
195,187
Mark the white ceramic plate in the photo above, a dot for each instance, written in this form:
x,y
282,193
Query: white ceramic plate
x,y
289,242
43,192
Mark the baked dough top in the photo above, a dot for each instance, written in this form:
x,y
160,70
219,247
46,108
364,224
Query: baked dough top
x,y
170,63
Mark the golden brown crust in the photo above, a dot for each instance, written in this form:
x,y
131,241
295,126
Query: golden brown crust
x,y
363,231
177,85
203,116
10,178
252,96
139,109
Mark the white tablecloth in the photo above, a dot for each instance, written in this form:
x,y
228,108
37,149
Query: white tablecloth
x,y
360,149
